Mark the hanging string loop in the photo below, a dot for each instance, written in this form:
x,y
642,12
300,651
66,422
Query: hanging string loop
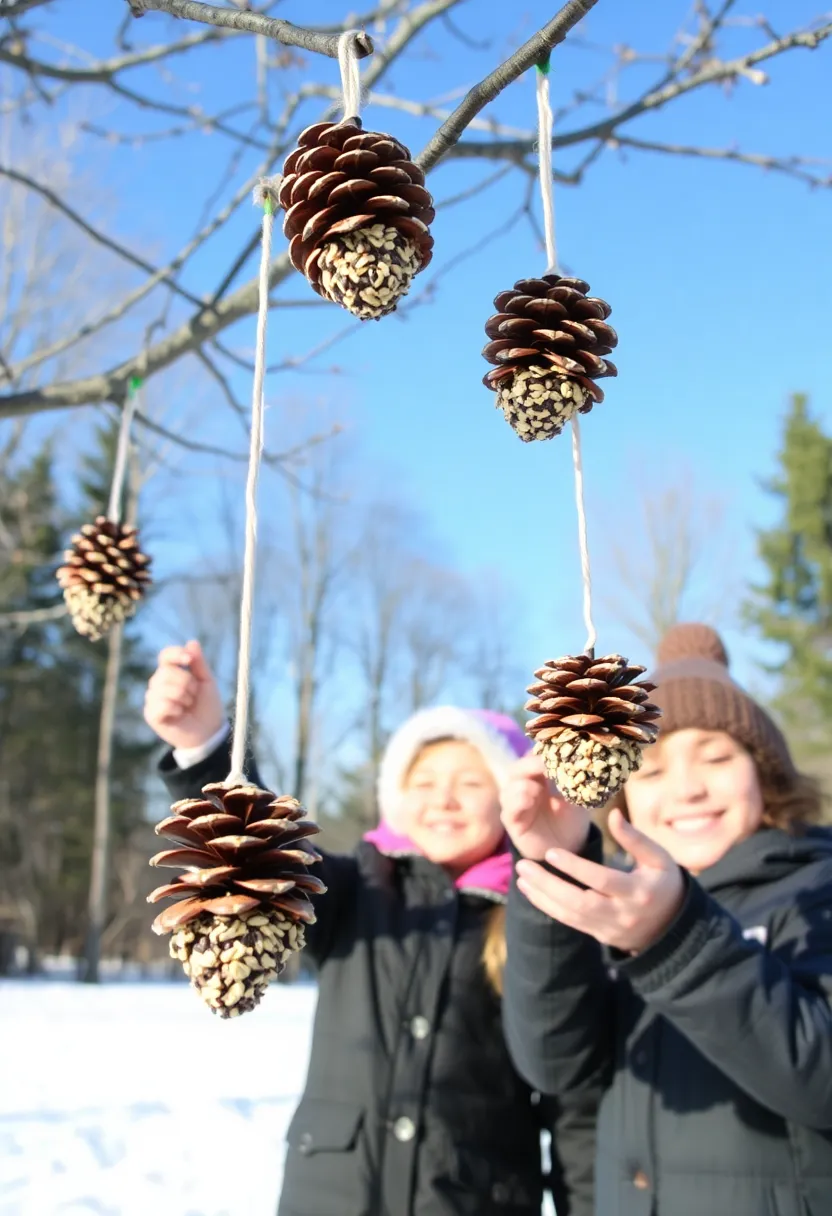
x,y
350,72
545,129
123,449
586,572
264,196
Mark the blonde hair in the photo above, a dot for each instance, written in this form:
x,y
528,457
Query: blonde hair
x,y
494,948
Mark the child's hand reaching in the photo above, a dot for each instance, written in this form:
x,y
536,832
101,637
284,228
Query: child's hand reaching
x,y
627,910
182,703
536,817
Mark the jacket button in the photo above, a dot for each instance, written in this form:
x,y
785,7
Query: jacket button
x,y
305,1144
404,1129
419,1027
500,1193
640,1181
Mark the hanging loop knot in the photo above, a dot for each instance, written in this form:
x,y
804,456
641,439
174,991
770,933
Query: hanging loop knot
x,y
349,44
128,411
265,192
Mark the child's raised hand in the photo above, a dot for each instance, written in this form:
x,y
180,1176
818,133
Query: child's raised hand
x,y
535,816
626,909
182,703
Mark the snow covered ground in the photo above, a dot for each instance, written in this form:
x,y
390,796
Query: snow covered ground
x,y
130,1099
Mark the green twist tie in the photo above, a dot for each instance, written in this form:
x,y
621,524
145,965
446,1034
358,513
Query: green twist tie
x,y
267,205
134,384
543,64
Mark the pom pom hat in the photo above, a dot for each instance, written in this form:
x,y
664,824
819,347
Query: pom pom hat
x,y
498,739
695,689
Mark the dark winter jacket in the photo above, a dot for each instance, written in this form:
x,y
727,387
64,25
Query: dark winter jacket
x,y
714,1045
412,1106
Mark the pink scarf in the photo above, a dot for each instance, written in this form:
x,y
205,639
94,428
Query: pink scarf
x,y
491,876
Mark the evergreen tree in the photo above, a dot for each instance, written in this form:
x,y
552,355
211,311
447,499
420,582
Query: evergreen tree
x,y
50,689
792,606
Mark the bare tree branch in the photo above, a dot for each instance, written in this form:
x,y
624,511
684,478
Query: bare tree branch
x,y
714,72
792,166
693,64
33,616
16,8
252,23
530,53
106,69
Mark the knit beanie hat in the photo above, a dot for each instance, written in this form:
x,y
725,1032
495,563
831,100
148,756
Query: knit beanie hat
x,y
694,689
498,739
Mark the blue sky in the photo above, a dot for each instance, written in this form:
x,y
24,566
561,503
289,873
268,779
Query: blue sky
x,y
718,275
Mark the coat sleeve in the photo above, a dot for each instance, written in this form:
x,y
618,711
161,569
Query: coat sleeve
x,y
338,873
558,1003
761,1015
571,1178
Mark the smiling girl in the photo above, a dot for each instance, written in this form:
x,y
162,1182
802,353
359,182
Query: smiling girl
x,y
707,1026
412,1106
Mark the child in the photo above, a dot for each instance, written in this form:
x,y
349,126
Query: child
x,y
412,1106
713,1035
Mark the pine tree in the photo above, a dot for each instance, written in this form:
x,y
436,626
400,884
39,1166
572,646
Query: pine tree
x,y
792,607
50,690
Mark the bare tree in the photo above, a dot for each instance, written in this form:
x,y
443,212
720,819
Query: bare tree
x,y
143,94
676,565
491,666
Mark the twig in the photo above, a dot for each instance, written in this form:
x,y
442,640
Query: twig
x,y
99,237
31,616
252,23
792,166
16,8
712,73
104,71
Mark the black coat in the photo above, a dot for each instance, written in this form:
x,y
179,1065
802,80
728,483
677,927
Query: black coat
x,y
412,1106
714,1045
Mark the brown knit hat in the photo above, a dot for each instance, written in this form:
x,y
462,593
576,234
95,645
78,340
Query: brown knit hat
x,y
694,689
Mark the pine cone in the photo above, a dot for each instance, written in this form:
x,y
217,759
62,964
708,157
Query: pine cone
x,y
104,576
242,898
595,718
548,339
357,215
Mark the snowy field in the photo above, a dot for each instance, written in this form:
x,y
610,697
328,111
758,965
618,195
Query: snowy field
x,y
132,1100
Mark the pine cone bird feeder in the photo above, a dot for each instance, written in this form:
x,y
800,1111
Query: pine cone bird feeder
x,y
549,339
595,716
104,576
357,216
243,894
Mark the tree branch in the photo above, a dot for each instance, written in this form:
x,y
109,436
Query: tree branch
x,y
54,201
252,23
112,385
16,8
107,68
713,72
31,616
476,99
792,166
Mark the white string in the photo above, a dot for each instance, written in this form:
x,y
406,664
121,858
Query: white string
x,y
263,196
350,73
545,128
122,452
586,573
